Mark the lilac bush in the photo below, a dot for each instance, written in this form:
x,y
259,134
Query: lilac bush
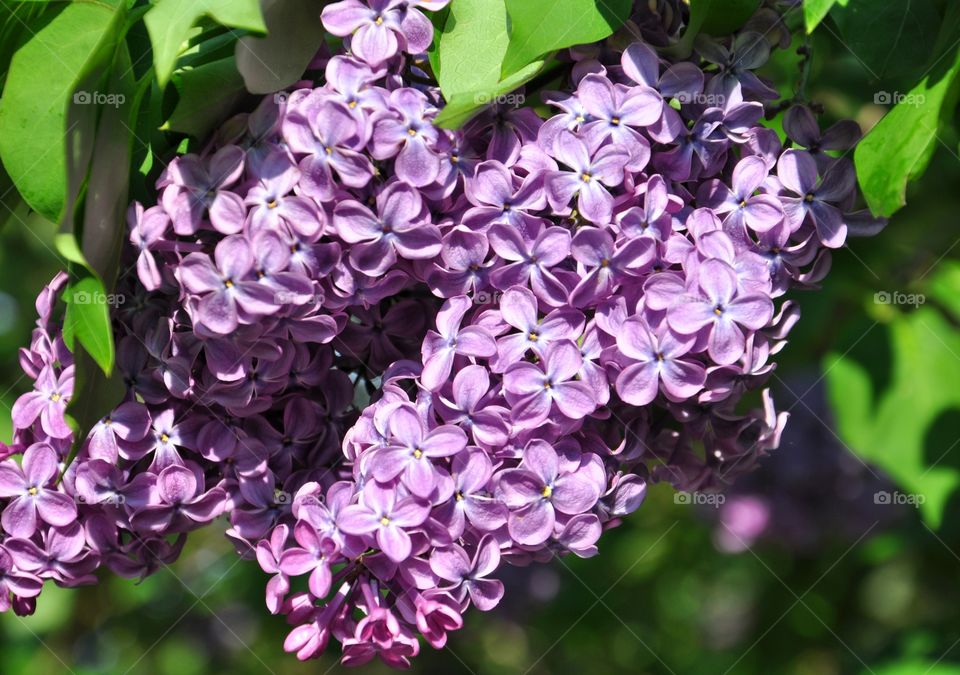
x,y
398,357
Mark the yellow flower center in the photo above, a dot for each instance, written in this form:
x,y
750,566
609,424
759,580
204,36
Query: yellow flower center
x,y
384,520
33,491
418,453
547,491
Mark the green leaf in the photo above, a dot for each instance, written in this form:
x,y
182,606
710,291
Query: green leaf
x,y
915,667
439,21
208,94
169,23
898,149
890,38
65,51
893,427
88,315
720,17
815,11
465,105
537,28
274,62
713,17
472,45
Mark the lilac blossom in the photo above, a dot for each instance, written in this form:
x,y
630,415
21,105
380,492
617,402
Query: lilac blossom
x,y
397,228
720,311
34,497
227,291
592,169
48,402
441,346
410,449
806,197
535,391
392,353
325,133
468,575
381,513
656,363
539,489
197,188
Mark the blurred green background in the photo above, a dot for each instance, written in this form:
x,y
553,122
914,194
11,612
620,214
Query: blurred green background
x,y
816,578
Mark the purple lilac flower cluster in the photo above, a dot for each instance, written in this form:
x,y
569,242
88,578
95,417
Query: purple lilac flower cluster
x,y
398,356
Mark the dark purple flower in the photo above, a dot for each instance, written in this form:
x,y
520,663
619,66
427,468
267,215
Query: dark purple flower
x,y
228,292
399,226
454,565
327,135
182,502
197,187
